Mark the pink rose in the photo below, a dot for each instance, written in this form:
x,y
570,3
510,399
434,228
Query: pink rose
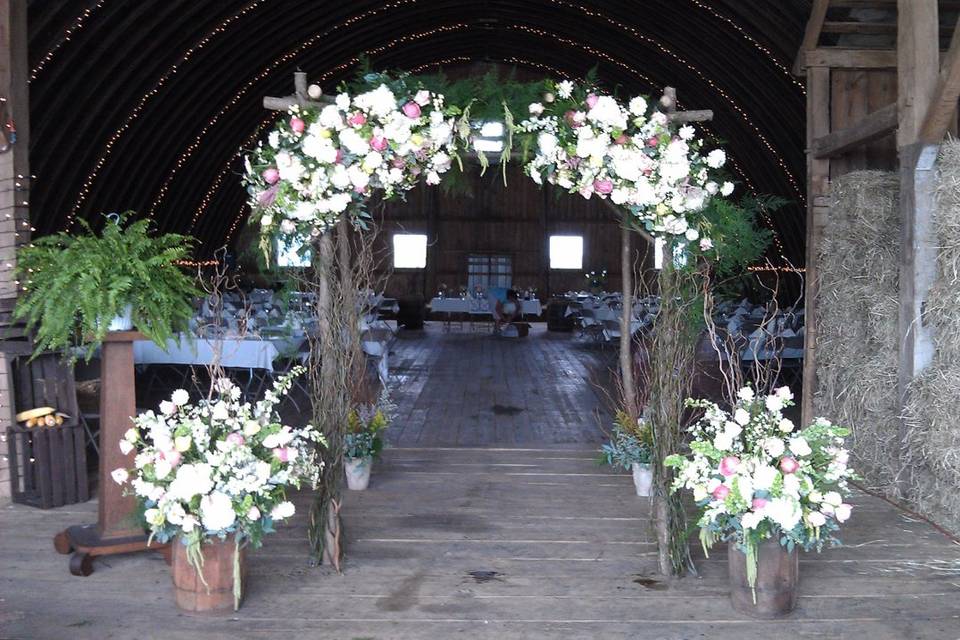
x,y
398,162
789,465
270,176
236,438
378,143
652,142
297,124
758,503
359,189
172,457
728,466
269,196
339,157
592,100
842,513
603,186
411,110
282,454
721,492
622,139
571,118
357,120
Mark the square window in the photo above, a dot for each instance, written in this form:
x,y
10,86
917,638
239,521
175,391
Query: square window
x,y
409,251
291,253
566,252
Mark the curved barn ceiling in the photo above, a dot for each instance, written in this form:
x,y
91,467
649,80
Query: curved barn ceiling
x,y
144,105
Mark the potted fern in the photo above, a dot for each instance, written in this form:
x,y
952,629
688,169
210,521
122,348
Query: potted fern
x,y
77,288
630,448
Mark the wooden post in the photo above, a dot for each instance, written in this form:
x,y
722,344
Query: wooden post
x,y
818,186
918,76
626,316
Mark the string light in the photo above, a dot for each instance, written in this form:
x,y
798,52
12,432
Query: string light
x,y
76,26
196,263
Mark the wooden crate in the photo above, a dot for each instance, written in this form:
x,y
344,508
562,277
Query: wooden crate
x,y
48,465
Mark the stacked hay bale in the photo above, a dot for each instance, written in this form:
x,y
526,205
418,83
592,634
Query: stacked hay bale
x,y
858,303
933,411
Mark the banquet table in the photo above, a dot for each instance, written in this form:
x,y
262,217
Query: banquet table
x,y
236,353
475,305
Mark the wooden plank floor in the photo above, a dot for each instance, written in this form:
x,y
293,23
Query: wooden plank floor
x,y
516,541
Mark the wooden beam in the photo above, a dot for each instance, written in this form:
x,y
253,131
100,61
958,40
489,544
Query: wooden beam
x,y
942,111
851,58
874,125
811,35
918,65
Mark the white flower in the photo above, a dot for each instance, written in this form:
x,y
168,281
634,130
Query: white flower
x,y
180,397
692,234
162,468
253,514
380,102
282,511
343,101
547,142
564,89
784,511
189,523
216,511
687,132
746,394
815,496
751,519
131,435
119,476
535,108
167,408
763,477
773,403
774,447
716,158
274,139
723,441
319,148
791,485
175,513
182,443
833,498
712,188
289,227
799,446
842,512
733,429
330,117
266,220
372,160
353,142
638,106
706,244
153,517
741,417
785,425
422,97
126,447
606,111
191,480
433,178
817,519
726,189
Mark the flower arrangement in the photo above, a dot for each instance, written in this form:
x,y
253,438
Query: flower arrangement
x,y
365,424
591,144
319,163
630,443
596,279
219,467
756,477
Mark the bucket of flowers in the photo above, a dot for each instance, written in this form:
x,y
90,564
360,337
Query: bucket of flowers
x,y
766,488
212,477
363,441
630,447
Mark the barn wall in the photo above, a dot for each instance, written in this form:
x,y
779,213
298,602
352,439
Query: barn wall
x,y
488,217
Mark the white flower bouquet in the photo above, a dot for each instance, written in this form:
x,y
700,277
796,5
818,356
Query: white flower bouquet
x,y
756,477
218,467
591,144
319,163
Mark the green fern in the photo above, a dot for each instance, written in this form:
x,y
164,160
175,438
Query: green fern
x,y
75,284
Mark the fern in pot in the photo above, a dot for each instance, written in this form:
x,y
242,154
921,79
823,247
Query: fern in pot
x,y
363,441
77,288
630,447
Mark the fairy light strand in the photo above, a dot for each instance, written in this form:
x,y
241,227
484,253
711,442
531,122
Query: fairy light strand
x,y
69,31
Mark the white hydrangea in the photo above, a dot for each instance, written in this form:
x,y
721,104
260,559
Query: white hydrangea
x,y
216,511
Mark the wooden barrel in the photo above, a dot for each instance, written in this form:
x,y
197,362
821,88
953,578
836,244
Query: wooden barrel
x,y
777,575
189,591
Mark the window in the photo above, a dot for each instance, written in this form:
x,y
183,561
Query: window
x,y
291,253
566,252
489,271
409,251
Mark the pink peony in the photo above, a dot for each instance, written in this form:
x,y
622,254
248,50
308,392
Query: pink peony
x,y
622,139
357,120
269,196
758,503
411,110
172,457
378,143
721,492
282,454
236,438
789,465
398,162
592,100
297,124
652,142
603,186
728,466
271,175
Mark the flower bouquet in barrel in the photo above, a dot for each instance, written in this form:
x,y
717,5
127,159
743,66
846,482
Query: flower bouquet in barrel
x,y
758,479
214,475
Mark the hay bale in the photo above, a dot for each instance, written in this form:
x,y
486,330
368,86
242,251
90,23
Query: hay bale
x,y
933,408
857,310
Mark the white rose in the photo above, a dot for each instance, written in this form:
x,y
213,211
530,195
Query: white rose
x,y
842,512
774,447
716,158
289,227
182,443
817,519
773,403
815,496
784,511
162,468
706,244
547,142
638,106
712,188
343,101
741,417
799,446
536,108
274,139
746,394
786,425
751,519
687,132
153,517
131,435
791,485
251,428
784,393
167,408
180,397
189,523
216,511
331,118
763,477
833,498
723,441
422,97
253,514
282,511
126,447
692,234
266,220
726,189
119,476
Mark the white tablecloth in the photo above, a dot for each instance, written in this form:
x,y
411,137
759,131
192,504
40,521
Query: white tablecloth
x,y
481,305
235,353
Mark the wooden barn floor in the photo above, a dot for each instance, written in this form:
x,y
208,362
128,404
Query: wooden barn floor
x,y
519,538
